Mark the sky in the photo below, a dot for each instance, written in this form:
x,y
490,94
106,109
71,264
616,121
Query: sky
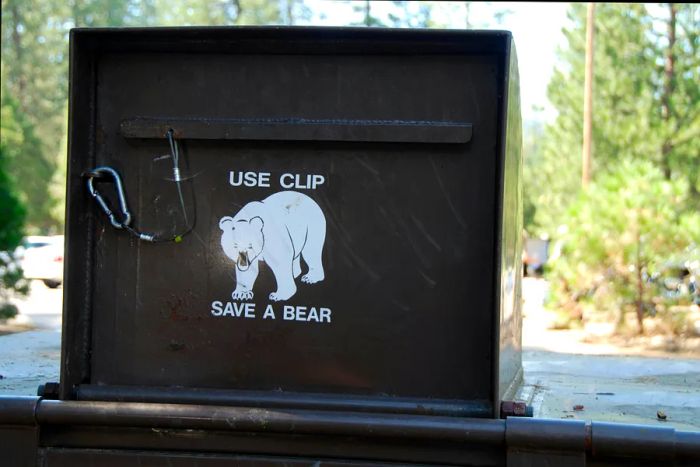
x,y
536,28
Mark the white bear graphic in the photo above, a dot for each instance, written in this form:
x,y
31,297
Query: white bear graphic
x,y
280,230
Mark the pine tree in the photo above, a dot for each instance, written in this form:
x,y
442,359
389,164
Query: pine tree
x,y
630,88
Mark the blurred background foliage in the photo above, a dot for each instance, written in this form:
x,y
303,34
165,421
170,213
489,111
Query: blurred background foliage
x,y
12,213
640,210
646,104
621,232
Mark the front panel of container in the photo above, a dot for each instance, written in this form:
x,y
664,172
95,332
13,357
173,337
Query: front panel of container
x,y
343,203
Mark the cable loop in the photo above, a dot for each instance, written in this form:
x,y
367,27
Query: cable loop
x,y
104,172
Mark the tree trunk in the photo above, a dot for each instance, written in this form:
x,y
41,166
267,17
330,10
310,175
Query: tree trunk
x,y
640,286
669,87
588,99
239,10
20,78
290,12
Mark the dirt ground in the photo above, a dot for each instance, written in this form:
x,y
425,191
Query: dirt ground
x,y
590,373
595,337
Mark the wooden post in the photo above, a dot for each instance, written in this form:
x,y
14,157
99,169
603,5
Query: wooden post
x,y
588,99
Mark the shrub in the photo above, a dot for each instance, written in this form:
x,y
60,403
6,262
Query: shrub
x,y
618,234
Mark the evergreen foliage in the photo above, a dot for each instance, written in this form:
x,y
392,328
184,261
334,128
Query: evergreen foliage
x,y
642,207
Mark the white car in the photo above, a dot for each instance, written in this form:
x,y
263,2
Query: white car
x,y
42,259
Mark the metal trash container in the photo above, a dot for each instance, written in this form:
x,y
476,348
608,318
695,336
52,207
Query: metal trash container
x,y
300,217
294,246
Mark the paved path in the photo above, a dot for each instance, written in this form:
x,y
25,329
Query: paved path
x,y
562,372
29,359
616,389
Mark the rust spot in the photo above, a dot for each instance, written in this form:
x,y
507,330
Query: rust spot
x,y
513,409
175,306
177,316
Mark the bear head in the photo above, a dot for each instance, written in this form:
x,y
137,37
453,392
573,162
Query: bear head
x,y
242,240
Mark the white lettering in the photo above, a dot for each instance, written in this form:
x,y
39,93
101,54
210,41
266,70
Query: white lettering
x,y
236,310
307,314
286,184
303,314
317,181
299,184
250,310
232,178
287,180
313,315
288,312
269,312
251,179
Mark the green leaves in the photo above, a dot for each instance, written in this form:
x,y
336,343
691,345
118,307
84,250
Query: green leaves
x,y
12,215
628,122
621,231
643,205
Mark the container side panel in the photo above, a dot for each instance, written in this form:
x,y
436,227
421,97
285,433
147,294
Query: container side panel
x,y
511,241
75,341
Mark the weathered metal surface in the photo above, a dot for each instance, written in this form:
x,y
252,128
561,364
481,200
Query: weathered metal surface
x,y
268,399
269,420
405,141
508,318
107,458
89,430
18,410
19,446
18,431
300,129
515,409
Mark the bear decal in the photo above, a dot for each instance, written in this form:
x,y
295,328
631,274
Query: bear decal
x,y
280,230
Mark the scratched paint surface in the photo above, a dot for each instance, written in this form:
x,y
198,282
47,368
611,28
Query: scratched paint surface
x,y
409,252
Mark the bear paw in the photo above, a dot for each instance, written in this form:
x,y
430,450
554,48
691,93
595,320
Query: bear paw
x,y
278,296
242,295
312,278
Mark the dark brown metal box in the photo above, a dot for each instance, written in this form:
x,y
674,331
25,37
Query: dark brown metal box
x,y
371,177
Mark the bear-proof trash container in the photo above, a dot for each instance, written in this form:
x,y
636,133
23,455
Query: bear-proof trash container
x,y
298,218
